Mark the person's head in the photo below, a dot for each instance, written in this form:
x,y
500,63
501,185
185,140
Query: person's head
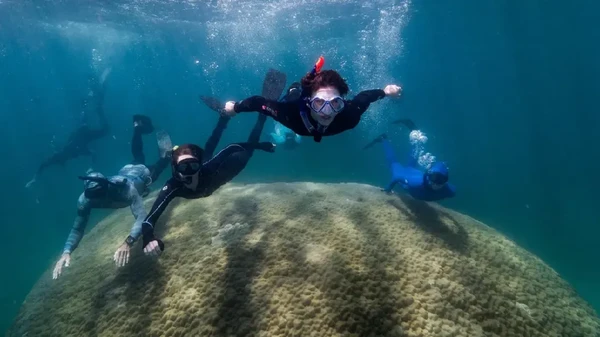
x,y
97,186
186,162
325,92
437,175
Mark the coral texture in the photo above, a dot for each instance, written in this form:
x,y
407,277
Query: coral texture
x,y
306,259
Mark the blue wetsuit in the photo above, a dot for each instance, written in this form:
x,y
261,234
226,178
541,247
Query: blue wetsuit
x,y
129,194
412,179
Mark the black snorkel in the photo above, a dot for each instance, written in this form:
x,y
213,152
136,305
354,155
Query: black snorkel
x,y
102,181
102,187
435,180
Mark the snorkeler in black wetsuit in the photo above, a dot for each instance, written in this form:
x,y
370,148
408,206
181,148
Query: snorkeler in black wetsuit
x,y
194,178
320,108
77,144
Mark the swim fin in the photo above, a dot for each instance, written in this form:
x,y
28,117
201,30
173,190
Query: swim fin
x,y
408,123
213,103
379,139
143,123
273,84
165,145
266,146
294,93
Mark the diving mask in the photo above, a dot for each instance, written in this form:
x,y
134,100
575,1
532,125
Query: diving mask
x,y
327,106
98,187
436,180
188,167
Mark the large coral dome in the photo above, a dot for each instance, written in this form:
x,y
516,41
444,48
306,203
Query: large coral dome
x,y
306,259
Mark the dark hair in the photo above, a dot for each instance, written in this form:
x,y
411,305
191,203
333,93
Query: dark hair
x,y
326,78
190,149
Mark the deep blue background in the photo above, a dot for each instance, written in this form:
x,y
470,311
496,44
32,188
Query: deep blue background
x,y
506,90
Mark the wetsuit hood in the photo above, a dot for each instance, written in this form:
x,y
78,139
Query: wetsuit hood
x,y
440,168
185,149
437,174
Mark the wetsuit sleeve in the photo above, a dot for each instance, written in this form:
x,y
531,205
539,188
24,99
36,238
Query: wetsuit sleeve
x,y
360,103
391,186
274,109
406,180
171,190
83,215
138,211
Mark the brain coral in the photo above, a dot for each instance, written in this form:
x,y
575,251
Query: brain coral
x,y
306,259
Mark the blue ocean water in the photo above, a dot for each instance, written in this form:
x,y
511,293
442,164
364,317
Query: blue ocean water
x,y
506,92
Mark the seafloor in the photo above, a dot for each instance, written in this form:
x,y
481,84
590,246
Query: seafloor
x,y
306,259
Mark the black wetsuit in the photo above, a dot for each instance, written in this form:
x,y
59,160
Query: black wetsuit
x,y
289,113
215,172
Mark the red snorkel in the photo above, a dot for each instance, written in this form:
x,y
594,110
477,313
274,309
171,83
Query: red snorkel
x,y
318,66
316,133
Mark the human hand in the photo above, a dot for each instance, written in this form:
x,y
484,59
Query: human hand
x,y
229,109
393,90
121,256
153,248
65,260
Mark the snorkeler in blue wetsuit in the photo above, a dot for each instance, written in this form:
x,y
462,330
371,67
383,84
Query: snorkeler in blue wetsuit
x,y
428,185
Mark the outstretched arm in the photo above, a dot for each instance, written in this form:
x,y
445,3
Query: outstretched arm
x,y
391,186
274,109
121,256
139,213
83,215
360,103
171,190
400,178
